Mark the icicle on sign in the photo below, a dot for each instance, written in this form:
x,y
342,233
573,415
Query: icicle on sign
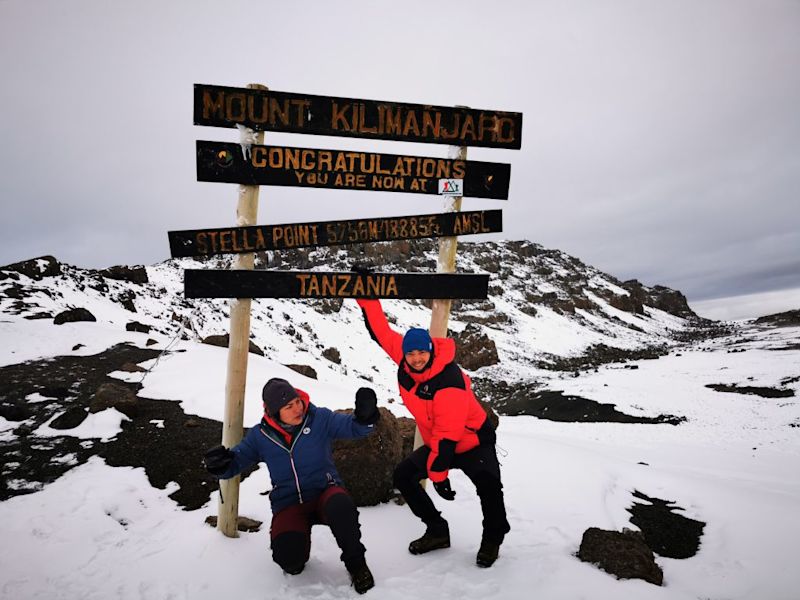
x,y
260,110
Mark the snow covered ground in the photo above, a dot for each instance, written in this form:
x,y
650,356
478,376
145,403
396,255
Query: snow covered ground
x,y
102,532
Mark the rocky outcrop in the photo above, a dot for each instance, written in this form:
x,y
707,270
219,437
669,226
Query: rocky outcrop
x,y
790,318
366,465
36,268
124,273
623,554
474,349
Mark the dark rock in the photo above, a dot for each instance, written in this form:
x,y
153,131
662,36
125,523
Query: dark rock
x,y
304,370
151,342
623,554
71,418
126,300
36,268
407,427
332,354
112,395
73,315
326,306
223,341
666,533
125,273
138,327
366,465
14,411
243,524
77,347
494,418
474,349
132,368
191,423
37,316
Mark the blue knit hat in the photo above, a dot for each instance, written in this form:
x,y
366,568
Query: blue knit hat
x,y
417,339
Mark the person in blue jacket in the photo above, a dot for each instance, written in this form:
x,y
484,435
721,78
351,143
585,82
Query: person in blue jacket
x,y
294,440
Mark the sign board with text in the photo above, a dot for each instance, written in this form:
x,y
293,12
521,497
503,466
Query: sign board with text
x,y
217,283
267,110
225,162
258,238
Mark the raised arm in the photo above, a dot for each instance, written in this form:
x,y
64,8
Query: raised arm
x,y
380,330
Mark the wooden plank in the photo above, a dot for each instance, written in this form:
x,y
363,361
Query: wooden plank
x,y
237,240
225,162
221,106
214,283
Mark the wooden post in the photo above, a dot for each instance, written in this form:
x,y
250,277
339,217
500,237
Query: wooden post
x,y
239,345
440,310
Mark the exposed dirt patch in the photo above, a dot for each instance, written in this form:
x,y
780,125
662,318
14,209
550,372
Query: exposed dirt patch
x,y
764,392
159,436
665,532
554,405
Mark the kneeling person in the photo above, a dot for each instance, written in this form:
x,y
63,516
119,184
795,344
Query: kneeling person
x,y
294,440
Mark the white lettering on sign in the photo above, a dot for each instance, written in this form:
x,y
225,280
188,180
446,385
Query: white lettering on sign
x,y
451,187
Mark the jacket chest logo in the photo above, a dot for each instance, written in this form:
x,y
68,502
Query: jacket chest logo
x,y
425,391
307,430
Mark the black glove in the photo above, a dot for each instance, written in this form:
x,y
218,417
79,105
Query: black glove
x,y
443,489
217,460
366,412
444,458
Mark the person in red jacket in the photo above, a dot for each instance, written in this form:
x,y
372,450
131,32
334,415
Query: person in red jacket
x,y
455,430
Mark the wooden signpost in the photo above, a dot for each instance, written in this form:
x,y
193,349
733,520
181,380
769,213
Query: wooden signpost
x,y
340,169
218,283
256,109
220,106
235,240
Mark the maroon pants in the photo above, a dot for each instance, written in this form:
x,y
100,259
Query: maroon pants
x,y
290,532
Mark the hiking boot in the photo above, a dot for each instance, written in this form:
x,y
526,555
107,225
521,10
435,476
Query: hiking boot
x,y
432,540
487,554
361,578
295,570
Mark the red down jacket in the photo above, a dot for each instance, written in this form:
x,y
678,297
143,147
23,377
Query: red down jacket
x,y
440,398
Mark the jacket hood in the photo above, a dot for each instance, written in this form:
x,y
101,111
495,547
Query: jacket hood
x,y
444,352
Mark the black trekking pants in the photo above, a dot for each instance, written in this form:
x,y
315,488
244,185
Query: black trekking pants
x,y
480,465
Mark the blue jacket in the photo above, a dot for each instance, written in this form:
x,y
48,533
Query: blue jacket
x,y
300,471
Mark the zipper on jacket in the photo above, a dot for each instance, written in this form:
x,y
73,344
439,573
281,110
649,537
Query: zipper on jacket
x,y
291,457
296,479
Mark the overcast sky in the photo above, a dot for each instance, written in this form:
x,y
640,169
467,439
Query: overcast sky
x,y
661,139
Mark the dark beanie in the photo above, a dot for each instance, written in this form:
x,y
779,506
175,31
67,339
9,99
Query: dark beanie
x,y
417,339
276,394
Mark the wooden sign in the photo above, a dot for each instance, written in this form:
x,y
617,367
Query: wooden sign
x,y
237,240
340,169
213,283
262,110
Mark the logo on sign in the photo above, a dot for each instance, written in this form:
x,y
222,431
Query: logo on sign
x,y
451,187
